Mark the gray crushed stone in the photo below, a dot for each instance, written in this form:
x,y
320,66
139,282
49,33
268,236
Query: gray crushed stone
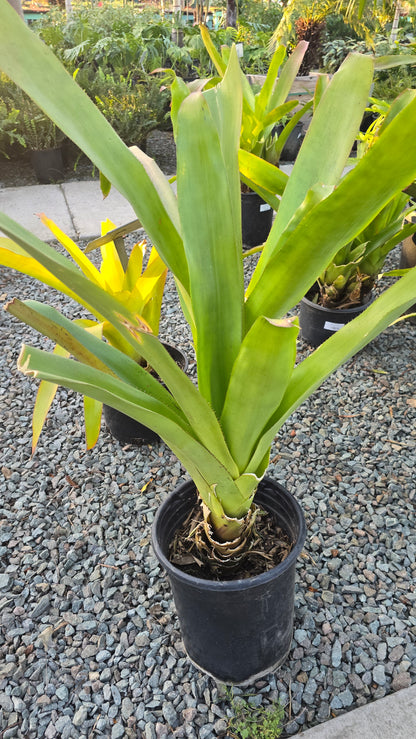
x,y
89,640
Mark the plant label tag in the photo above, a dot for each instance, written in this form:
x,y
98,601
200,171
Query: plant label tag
x,y
239,50
330,326
265,206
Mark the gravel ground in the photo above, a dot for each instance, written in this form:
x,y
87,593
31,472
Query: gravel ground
x,y
89,639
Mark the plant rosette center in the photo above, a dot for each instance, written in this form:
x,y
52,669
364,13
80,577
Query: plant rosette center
x,y
262,545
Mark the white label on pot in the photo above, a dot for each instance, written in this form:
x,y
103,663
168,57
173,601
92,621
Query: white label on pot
x,y
239,49
330,326
265,206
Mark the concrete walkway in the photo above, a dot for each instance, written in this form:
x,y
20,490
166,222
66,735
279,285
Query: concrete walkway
x,y
78,209
393,717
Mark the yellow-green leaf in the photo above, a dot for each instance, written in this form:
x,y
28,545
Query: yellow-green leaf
x,y
111,270
92,415
44,400
73,250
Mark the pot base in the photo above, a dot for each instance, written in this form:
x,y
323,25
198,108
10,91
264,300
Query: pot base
x,y
245,683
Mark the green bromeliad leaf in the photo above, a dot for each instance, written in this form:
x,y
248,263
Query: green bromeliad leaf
x,y
213,244
265,360
309,374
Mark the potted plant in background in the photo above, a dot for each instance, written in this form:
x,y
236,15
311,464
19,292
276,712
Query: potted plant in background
x,y
8,129
260,134
408,260
38,133
138,286
145,293
345,288
245,345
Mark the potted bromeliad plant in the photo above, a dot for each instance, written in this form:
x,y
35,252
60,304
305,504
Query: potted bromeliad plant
x,y
346,286
234,599
138,285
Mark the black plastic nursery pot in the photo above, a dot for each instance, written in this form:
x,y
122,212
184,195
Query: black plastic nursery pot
x,y
407,260
256,219
294,142
48,165
318,323
129,431
236,630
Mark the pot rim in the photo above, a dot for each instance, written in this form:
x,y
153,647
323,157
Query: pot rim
x,y
356,309
250,195
177,351
239,583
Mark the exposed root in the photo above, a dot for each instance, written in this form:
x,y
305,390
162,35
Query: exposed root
x,y
261,545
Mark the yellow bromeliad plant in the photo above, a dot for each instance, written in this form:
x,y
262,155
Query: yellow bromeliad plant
x,y
248,383
139,290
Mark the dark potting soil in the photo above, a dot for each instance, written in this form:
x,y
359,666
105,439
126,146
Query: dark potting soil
x,y
362,298
269,545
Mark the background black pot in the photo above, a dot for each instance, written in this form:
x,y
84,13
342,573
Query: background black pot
x,y
317,323
408,259
234,630
48,165
256,219
129,431
293,144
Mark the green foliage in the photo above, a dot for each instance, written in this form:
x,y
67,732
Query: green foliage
x,y
338,28
397,78
9,134
335,51
365,25
129,114
253,722
125,39
50,28
134,105
115,40
23,122
259,16
389,83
